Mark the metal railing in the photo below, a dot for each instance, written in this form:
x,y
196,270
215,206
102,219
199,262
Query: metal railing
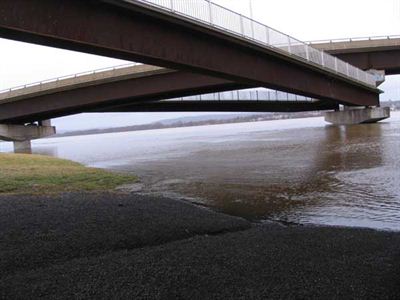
x,y
355,39
72,76
207,13
247,95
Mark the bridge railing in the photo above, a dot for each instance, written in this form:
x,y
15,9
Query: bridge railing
x,y
247,95
356,39
75,79
210,14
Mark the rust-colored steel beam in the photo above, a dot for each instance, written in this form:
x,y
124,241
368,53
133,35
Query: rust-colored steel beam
x,y
86,98
111,28
387,60
223,106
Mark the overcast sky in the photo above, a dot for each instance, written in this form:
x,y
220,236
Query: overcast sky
x,y
306,20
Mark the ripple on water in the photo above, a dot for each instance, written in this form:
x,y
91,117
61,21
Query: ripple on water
x,y
299,171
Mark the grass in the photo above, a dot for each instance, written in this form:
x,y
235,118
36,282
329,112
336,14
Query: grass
x,y
23,173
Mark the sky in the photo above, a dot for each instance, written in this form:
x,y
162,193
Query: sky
x,y
306,20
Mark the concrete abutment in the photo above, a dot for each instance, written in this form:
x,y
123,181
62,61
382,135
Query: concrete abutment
x,y
21,135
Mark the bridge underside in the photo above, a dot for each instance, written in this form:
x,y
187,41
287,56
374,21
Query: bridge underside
x,y
376,53
158,86
138,34
221,106
387,60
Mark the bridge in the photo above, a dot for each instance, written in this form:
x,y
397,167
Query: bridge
x,y
196,36
123,88
379,52
198,40
249,100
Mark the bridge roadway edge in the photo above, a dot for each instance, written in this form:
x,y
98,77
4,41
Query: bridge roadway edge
x,y
379,53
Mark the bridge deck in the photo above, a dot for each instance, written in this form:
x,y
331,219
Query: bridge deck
x,y
131,31
218,18
126,88
358,44
64,98
76,81
380,53
222,106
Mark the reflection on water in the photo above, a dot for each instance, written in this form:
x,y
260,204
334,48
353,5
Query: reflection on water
x,y
300,171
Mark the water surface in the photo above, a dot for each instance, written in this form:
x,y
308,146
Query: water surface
x,y
300,171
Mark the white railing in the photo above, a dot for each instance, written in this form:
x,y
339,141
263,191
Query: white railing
x,y
356,39
73,76
209,14
246,95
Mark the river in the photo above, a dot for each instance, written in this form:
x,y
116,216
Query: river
x,y
293,171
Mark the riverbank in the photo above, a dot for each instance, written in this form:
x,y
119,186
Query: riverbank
x,y
22,173
131,246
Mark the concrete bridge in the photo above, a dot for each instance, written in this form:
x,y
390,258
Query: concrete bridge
x,y
379,53
197,38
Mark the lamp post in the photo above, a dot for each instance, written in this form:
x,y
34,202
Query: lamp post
x,y
251,17
251,9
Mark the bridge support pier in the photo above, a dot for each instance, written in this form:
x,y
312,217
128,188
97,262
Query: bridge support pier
x,y
22,146
357,115
22,135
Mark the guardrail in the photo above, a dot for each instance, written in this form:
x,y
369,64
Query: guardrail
x,y
355,39
73,76
247,95
207,13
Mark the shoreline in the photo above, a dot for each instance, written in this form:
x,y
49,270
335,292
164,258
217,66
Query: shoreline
x,y
175,126
176,196
106,244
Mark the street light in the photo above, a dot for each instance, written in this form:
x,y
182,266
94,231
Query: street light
x,y
251,9
251,17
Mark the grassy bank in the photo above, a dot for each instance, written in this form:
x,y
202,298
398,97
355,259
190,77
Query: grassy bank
x,y
21,173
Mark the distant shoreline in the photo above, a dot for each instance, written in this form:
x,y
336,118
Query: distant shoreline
x,y
179,124
260,117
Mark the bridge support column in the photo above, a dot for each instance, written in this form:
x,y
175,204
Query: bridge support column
x,y
22,146
357,115
22,135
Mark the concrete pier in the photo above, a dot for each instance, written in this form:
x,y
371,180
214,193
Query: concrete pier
x,y
357,115
23,147
22,135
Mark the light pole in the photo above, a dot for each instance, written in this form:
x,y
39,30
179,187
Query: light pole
x,y
251,9
251,17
